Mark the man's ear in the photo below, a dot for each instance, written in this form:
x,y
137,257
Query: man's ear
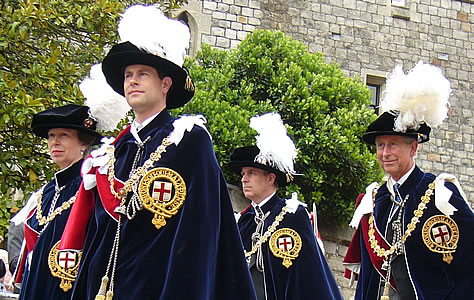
x,y
271,178
414,147
166,84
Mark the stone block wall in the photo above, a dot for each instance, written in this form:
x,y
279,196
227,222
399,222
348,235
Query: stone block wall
x,y
368,38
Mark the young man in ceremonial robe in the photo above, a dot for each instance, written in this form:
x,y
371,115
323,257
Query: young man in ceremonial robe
x,y
154,218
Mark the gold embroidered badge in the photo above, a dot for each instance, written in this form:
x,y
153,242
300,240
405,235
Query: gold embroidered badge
x,y
441,234
64,265
162,192
285,243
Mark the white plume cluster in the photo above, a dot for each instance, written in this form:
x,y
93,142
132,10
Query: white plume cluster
x,y
149,29
276,147
106,106
419,96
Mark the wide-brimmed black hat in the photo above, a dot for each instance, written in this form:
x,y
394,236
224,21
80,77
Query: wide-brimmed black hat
x,y
384,125
68,116
126,54
246,157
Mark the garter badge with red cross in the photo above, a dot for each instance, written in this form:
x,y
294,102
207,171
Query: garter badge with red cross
x,y
286,243
64,265
441,234
162,192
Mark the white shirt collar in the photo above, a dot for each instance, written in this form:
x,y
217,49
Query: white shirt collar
x,y
403,178
136,127
264,201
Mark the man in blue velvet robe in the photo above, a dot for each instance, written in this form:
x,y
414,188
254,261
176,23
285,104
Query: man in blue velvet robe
x,y
281,247
154,218
414,237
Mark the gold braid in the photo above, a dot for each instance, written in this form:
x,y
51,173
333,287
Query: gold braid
x,y
418,213
45,220
267,234
138,173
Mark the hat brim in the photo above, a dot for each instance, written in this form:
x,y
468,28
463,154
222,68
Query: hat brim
x,y
384,125
115,63
237,166
43,131
369,137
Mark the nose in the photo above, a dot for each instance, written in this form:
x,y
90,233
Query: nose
x,y
131,79
385,151
54,140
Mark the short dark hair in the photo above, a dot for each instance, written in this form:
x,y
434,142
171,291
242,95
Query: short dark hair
x,y
275,182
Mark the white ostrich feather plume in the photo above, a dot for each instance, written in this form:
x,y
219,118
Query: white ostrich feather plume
x,y
276,147
149,29
106,106
419,96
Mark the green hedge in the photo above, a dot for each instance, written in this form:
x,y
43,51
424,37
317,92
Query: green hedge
x,y
325,113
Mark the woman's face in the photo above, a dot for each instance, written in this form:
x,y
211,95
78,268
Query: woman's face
x,y
64,146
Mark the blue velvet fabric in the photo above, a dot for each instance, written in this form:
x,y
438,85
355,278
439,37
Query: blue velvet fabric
x,y
309,276
430,276
38,283
196,255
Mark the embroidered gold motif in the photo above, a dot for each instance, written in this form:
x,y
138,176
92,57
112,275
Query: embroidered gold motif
x,y
64,265
286,243
441,234
162,192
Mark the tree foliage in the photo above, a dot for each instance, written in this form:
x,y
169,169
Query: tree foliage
x,y
325,112
46,49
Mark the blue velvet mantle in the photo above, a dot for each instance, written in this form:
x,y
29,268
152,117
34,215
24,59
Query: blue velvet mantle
x,y
309,276
430,276
196,255
38,283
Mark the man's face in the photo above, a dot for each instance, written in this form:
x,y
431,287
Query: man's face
x,y
144,90
394,155
257,184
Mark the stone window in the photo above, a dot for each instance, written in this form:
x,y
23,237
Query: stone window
x,y
402,3
375,81
375,96
189,21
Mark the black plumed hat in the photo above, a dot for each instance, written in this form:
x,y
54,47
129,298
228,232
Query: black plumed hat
x,y
68,116
126,54
384,125
247,157
148,37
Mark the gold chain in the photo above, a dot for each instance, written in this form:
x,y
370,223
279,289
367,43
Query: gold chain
x,y
418,213
39,214
267,234
138,173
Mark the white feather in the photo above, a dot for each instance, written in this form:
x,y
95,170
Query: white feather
x,y
420,96
186,123
149,29
275,145
106,106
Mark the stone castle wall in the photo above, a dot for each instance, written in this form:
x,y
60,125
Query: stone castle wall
x,y
367,38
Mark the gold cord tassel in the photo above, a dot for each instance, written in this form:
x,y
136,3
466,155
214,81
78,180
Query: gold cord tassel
x,y
386,291
189,85
103,287
110,295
